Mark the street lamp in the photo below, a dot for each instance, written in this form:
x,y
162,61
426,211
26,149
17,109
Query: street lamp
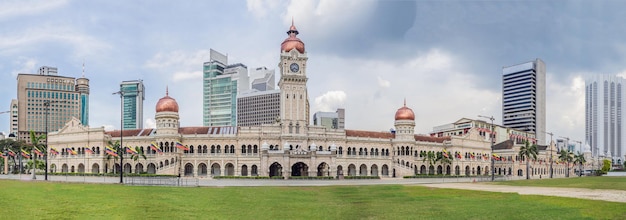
x,y
550,133
47,103
119,149
492,136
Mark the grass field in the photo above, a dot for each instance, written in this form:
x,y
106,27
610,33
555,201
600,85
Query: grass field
x,y
595,182
50,200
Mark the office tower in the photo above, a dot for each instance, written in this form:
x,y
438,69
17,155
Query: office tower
x,y
133,95
524,98
221,84
265,80
14,117
47,92
604,131
332,120
255,108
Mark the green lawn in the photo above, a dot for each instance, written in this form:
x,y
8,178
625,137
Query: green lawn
x,y
48,200
592,182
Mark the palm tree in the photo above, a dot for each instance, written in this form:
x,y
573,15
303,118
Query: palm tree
x,y
580,160
431,158
139,154
37,145
443,159
15,146
527,151
116,146
567,156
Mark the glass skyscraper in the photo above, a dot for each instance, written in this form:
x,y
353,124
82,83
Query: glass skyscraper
x,y
524,98
132,98
604,127
221,84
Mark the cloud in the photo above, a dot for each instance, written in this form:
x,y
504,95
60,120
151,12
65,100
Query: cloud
x,y
24,65
16,8
108,127
184,64
261,8
383,83
149,123
330,101
182,76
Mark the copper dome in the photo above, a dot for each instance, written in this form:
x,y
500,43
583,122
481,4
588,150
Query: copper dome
x,y
167,104
405,113
292,42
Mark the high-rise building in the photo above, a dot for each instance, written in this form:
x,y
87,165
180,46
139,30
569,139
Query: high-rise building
x,y
63,98
133,95
255,108
221,84
332,120
14,117
604,131
266,81
524,98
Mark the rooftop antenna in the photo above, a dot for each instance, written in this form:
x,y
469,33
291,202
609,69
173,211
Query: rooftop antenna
x,y
83,67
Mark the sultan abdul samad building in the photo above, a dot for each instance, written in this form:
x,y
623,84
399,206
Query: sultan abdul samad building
x,y
290,147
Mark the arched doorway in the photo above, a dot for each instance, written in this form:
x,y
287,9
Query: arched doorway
x,y
339,171
363,170
230,169
53,168
423,169
276,169
255,171
439,170
385,171
299,169
467,170
216,170
127,168
431,170
139,168
151,168
457,170
117,168
95,168
374,170
188,169
448,170
244,170
323,169
351,170
81,168
202,171
478,170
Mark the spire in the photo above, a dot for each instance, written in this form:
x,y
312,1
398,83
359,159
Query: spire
x,y
83,67
167,93
404,102
292,21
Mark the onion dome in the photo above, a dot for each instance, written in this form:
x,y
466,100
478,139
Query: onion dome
x,y
167,104
405,113
292,42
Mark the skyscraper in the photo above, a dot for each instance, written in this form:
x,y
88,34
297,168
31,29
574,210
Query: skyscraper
x,y
221,84
266,82
524,98
47,92
604,131
332,120
133,96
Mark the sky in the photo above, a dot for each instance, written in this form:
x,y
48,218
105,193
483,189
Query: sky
x,y
444,57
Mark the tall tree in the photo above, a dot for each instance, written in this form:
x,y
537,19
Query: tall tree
x,y
431,157
36,145
566,156
527,151
116,147
580,160
444,158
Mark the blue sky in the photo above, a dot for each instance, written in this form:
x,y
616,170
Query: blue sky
x,y
445,57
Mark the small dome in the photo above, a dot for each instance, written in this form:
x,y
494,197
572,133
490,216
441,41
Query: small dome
x,y
167,104
405,113
292,42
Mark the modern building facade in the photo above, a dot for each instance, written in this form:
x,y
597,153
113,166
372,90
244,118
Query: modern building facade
x,y
604,111
133,95
221,84
14,117
266,82
330,120
63,98
256,108
288,148
524,98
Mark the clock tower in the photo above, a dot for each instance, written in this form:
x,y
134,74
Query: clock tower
x,y
294,99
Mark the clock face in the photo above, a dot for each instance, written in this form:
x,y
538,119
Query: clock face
x,y
294,67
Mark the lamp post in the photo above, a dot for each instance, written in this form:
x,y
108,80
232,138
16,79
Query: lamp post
x,y
492,136
120,152
551,142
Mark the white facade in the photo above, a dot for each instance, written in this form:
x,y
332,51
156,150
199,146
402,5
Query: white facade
x,y
524,98
604,131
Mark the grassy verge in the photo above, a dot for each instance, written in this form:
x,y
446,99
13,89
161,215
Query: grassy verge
x,y
50,200
590,182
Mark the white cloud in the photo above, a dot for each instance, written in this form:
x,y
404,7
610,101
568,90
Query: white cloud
x,y
149,123
24,65
185,65
383,83
565,106
330,101
108,127
14,8
261,8
182,76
